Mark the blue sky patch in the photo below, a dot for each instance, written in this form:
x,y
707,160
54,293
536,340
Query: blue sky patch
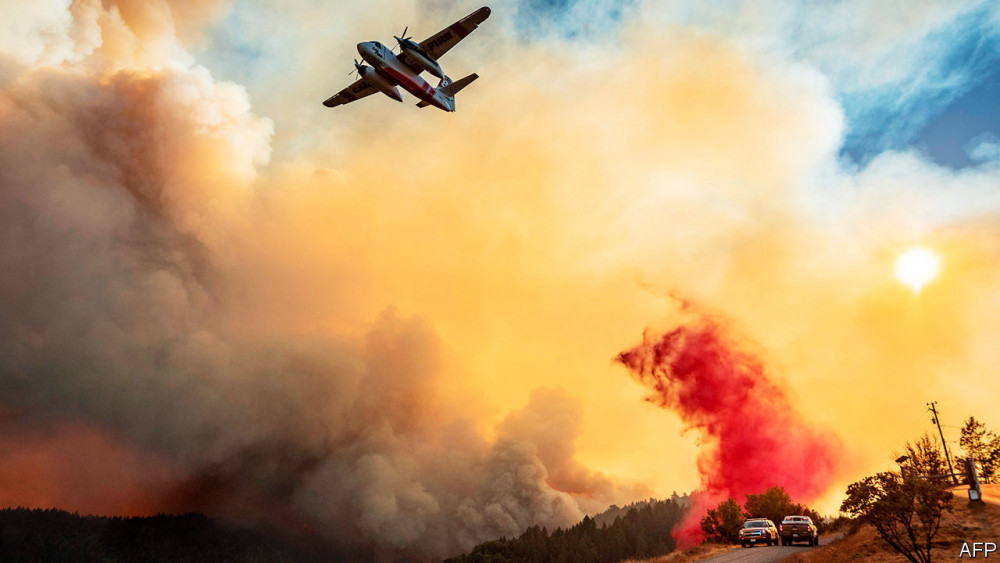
x,y
571,19
941,106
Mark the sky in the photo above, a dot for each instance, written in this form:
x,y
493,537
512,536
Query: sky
x,y
219,295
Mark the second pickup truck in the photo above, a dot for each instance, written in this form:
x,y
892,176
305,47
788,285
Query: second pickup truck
x,y
798,528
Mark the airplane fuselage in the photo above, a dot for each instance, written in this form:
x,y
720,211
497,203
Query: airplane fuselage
x,y
385,63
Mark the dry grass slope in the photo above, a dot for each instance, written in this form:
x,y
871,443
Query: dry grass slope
x,y
690,555
968,523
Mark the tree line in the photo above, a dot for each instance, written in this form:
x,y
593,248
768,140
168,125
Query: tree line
x,y
639,531
926,457
722,524
39,536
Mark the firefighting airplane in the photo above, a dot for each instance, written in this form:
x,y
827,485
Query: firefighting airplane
x,y
389,69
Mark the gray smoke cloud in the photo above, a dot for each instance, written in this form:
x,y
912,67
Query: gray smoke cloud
x,y
128,233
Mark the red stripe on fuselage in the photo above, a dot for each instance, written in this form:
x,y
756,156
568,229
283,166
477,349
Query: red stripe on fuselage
x,y
420,89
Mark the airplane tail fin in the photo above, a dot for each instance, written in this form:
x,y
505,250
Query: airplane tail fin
x,y
449,88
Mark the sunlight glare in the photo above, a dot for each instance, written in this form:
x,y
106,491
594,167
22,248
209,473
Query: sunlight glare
x,y
917,267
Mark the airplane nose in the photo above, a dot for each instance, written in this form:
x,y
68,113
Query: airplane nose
x,y
362,48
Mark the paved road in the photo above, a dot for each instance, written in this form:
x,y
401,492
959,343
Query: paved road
x,y
764,554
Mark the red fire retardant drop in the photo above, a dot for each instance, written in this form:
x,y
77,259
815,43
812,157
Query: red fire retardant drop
x,y
752,436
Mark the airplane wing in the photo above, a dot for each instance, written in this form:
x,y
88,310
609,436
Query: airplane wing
x,y
442,41
355,91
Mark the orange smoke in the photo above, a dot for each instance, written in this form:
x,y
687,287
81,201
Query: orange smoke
x,y
80,469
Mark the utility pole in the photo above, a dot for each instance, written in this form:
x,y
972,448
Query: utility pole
x,y
932,407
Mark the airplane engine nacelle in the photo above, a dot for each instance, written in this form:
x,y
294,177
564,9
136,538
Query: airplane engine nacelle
x,y
425,62
382,83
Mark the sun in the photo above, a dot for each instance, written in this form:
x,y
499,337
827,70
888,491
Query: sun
x,y
917,267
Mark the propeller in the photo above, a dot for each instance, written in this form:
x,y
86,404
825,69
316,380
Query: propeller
x,y
399,40
357,68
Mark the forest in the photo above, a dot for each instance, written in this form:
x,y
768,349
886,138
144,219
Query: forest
x,y
39,536
637,531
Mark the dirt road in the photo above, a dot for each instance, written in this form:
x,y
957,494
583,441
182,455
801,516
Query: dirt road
x,y
991,493
764,554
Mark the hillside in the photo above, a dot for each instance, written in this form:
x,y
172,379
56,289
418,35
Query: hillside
x,y
40,536
639,530
969,522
